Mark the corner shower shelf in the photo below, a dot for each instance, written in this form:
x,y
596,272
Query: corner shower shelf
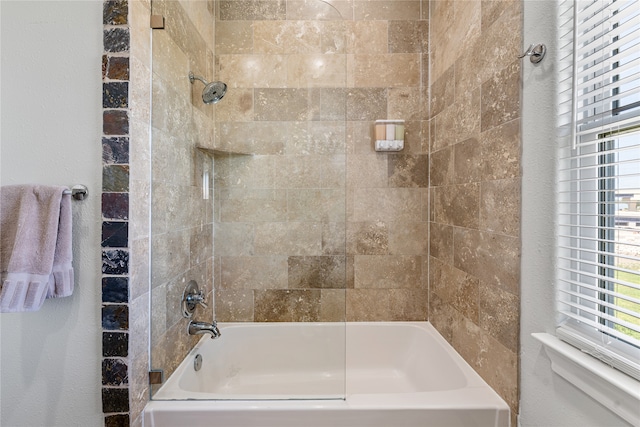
x,y
221,151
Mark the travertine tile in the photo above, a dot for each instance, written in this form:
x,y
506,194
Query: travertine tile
x,y
387,272
234,306
263,272
501,97
280,305
389,70
387,204
316,205
367,171
441,242
455,288
408,238
493,258
441,171
367,238
233,10
368,37
386,10
501,151
333,305
288,238
234,37
366,104
252,70
238,238
407,103
408,36
467,161
286,37
457,205
248,205
319,10
407,170
499,315
317,272
500,203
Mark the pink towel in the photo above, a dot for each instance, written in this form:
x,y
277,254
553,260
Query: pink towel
x,y
35,246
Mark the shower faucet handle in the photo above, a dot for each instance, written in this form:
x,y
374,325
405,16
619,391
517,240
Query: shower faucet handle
x,y
191,298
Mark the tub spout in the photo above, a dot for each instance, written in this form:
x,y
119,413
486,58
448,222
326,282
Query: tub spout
x,y
199,328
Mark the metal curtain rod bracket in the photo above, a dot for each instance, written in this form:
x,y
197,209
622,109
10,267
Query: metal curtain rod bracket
x,y
78,192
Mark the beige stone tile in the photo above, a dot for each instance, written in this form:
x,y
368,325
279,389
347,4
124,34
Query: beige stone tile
x,y
442,170
467,161
387,204
252,137
500,203
291,305
233,10
386,305
408,36
334,238
388,272
501,148
254,172
316,205
388,70
368,37
289,238
333,305
367,238
499,315
442,92
316,70
252,70
287,37
407,103
408,238
455,288
317,272
256,272
458,121
359,137
234,306
457,205
408,170
247,205
493,258
386,10
367,171
234,37
236,107
282,105
496,364
305,138
234,238
501,97
366,104
314,10
441,242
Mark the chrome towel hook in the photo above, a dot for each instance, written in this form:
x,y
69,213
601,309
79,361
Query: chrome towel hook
x,y
535,53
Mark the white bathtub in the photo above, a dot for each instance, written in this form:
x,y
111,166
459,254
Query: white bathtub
x,y
396,374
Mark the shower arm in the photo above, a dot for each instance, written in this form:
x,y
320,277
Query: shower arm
x,y
193,77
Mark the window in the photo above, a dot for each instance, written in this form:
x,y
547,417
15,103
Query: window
x,y
599,183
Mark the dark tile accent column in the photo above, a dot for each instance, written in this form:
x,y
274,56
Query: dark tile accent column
x,y
115,213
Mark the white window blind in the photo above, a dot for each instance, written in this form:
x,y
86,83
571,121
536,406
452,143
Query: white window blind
x,y
599,181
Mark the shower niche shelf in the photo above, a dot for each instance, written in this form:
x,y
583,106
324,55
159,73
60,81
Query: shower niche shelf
x,y
221,151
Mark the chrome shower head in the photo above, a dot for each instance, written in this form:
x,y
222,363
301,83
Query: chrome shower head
x,y
212,92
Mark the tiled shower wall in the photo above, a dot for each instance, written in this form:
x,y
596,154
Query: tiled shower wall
x,y
475,185
181,209
311,223
373,262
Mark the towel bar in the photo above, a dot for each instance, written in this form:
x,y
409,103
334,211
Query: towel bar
x,y
78,192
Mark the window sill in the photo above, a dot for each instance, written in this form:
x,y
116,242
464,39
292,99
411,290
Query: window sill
x,y
616,391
